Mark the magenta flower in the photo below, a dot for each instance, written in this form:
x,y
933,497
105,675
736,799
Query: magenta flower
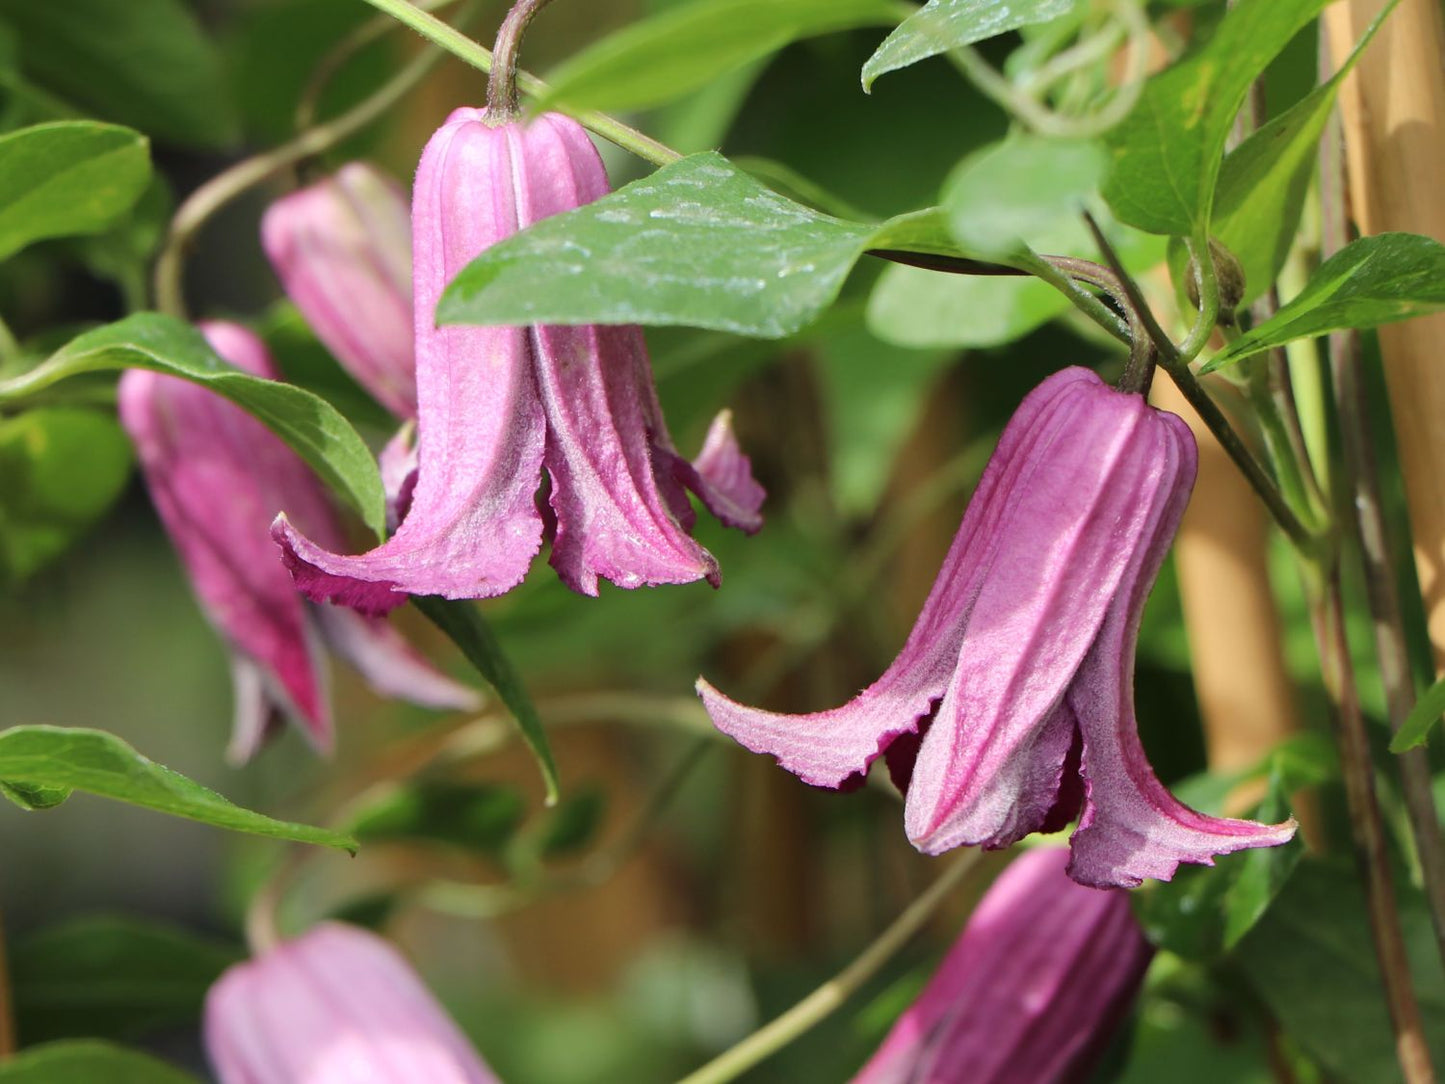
x,y
216,477
342,250
337,1005
1033,989
1012,702
498,405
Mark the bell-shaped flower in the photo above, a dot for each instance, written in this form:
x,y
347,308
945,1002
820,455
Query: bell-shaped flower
x,y
342,249
1012,701
217,477
337,1005
499,405
1032,991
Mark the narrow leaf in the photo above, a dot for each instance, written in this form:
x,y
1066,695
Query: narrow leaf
x,y
1372,281
99,763
464,624
1167,151
698,243
478,816
67,179
310,425
1422,719
942,25
660,59
87,1061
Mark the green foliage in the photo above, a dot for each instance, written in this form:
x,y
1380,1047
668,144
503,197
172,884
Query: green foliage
x,y
66,179
61,470
145,63
111,978
1372,281
1422,719
659,59
1310,958
1167,151
97,762
86,1062
310,425
573,824
464,625
942,25
699,243
479,816
917,308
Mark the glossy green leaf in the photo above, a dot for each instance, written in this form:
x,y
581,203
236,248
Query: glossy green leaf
x,y
1263,182
478,816
61,470
468,629
97,762
310,425
941,25
1311,959
112,978
33,798
1167,152
660,59
66,179
916,308
1372,281
145,63
1004,196
87,1061
1421,720
698,243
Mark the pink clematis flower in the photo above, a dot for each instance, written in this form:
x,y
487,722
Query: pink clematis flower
x,y
342,249
337,1005
216,476
499,405
1032,990
1011,704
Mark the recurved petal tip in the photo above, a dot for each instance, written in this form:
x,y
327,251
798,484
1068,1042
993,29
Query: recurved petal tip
x,y
725,478
305,561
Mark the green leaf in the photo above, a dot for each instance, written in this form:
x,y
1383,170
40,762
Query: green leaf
x,y
698,243
61,470
1312,961
112,978
660,59
462,621
1167,151
1422,719
145,63
68,178
1001,197
1263,181
942,25
310,425
916,308
479,816
1372,281
87,1062
573,824
33,798
99,763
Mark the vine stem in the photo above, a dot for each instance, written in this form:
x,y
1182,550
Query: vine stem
x,y
1367,826
479,57
502,79
771,1038
7,1010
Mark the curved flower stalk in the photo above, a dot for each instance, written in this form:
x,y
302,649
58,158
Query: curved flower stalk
x,y
342,250
216,477
1033,989
498,405
337,1005
1011,704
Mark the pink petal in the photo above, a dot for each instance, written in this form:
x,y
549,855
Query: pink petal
x,y
389,664
722,476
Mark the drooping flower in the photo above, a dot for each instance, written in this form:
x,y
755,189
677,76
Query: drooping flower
x,y
342,250
1032,990
498,405
217,476
1011,704
337,1005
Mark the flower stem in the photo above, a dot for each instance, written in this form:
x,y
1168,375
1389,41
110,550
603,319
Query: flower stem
x,y
771,1038
502,80
1367,825
462,47
7,1011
